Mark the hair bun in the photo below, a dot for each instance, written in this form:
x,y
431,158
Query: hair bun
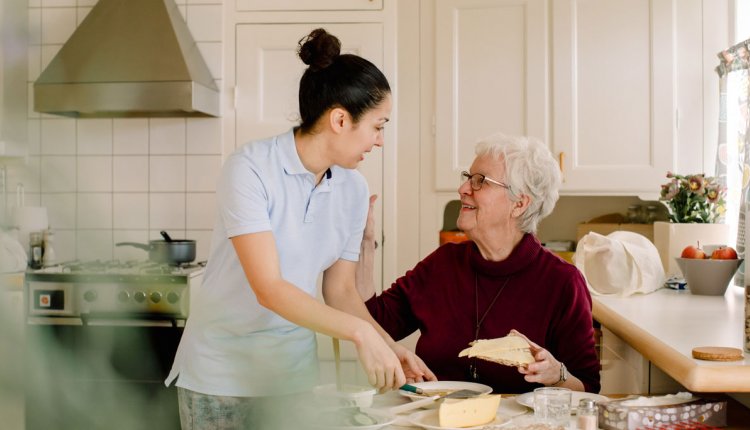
x,y
318,49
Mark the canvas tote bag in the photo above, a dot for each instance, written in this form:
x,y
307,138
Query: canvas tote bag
x,y
622,263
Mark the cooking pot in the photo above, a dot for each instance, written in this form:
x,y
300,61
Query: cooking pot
x,y
167,250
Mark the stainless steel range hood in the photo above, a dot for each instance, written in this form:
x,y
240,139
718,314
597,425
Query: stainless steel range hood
x,y
128,58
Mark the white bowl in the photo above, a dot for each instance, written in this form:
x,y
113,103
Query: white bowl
x,y
708,277
349,395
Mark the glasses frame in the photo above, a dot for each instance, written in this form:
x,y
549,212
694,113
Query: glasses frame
x,y
470,177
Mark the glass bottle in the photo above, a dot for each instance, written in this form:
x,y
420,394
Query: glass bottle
x,y
49,258
633,214
587,415
36,250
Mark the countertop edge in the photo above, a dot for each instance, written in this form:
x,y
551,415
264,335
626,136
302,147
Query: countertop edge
x,y
683,369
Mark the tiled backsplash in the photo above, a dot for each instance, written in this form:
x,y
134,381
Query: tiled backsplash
x,y
106,181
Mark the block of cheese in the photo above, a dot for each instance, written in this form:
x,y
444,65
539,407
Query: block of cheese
x,y
475,411
509,350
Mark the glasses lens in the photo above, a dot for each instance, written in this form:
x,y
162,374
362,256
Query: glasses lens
x,y
476,181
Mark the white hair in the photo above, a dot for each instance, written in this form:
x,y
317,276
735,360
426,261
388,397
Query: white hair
x,y
530,169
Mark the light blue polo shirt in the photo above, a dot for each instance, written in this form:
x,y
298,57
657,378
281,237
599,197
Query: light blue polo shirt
x,y
232,345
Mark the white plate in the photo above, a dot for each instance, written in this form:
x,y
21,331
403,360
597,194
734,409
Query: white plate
x,y
527,399
429,420
434,386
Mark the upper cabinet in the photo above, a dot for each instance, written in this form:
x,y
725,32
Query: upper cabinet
x,y
491,76
308,5
595,79
614,94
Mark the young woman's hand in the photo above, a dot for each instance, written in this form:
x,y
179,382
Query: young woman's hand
x,y
380,363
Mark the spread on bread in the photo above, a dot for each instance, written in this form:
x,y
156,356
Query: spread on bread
x,y
509,350
474,411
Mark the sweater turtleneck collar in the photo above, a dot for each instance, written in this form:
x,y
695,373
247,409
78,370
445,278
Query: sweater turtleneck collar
x,y
522,255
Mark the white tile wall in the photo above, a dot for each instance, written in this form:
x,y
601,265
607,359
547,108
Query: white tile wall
x,y
58,24
94,245
130,136
130,211
130,173
167,173
94,136
94,211
58,136
60,211
167,136
167,211
201,211
204,172
35,26
204,136
58,174
95,173
106,181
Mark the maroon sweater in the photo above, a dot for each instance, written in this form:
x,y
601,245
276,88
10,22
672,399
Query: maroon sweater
x,y
545,298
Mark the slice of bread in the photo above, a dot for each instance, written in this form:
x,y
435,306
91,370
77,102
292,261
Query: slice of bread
x,y
509,351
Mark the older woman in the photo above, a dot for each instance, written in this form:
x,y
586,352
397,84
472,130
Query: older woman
x,y
501,280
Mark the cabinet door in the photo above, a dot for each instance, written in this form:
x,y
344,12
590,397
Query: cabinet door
x,y
257,5
491,76
614,94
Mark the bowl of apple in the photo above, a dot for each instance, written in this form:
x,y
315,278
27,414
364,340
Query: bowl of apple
x,y
708,274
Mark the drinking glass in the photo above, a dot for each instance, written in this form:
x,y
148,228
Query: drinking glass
x,y
552,405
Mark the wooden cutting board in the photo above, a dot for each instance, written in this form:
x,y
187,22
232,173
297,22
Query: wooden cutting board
x,y
717,353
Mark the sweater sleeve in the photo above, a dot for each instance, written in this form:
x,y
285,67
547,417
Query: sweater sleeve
x,y
394,309
572,333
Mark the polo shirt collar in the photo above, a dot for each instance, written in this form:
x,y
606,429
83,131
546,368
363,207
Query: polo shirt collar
x,y
290,158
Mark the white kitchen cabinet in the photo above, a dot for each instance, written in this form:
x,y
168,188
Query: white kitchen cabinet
x,y
614,94
308,5
625,370
491,76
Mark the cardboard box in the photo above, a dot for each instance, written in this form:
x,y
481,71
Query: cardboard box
x,y
698,413
607,228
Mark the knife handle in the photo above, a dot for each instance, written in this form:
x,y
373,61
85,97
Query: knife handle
x,y
411,389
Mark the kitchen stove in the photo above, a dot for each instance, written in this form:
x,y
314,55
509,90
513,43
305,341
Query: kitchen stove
x,y
105,333
129,289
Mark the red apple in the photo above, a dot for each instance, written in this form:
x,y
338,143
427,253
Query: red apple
x,y
691,251
724,253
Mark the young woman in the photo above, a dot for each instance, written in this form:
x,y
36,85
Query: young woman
x,y
290,207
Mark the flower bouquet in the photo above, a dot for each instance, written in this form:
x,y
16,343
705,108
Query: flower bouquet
x,y
693,198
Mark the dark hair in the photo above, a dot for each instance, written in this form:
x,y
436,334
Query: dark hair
x,y
336,80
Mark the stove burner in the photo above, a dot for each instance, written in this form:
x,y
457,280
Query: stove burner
x,y
117,267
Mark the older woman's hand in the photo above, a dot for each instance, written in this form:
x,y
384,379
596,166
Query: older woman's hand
x,y
414,368
545,370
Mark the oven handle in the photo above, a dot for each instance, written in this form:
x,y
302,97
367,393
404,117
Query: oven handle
x,y
105,322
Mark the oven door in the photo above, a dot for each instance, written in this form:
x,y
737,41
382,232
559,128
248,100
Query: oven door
x,y
99,373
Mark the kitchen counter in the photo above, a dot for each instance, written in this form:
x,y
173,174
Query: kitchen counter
x,y
666,325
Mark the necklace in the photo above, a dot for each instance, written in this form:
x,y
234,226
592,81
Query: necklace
x,y
479,321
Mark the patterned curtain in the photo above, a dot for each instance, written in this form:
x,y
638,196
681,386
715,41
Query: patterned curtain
x,y
734,128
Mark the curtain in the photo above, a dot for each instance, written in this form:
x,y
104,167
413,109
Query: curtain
x,y
733,151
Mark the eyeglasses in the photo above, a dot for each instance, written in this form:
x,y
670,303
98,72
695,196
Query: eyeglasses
x,y
477,179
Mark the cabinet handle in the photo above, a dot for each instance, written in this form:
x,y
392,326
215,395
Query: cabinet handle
x,y
561,160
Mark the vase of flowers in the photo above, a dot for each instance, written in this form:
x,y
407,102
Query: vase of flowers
x,y
696,206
